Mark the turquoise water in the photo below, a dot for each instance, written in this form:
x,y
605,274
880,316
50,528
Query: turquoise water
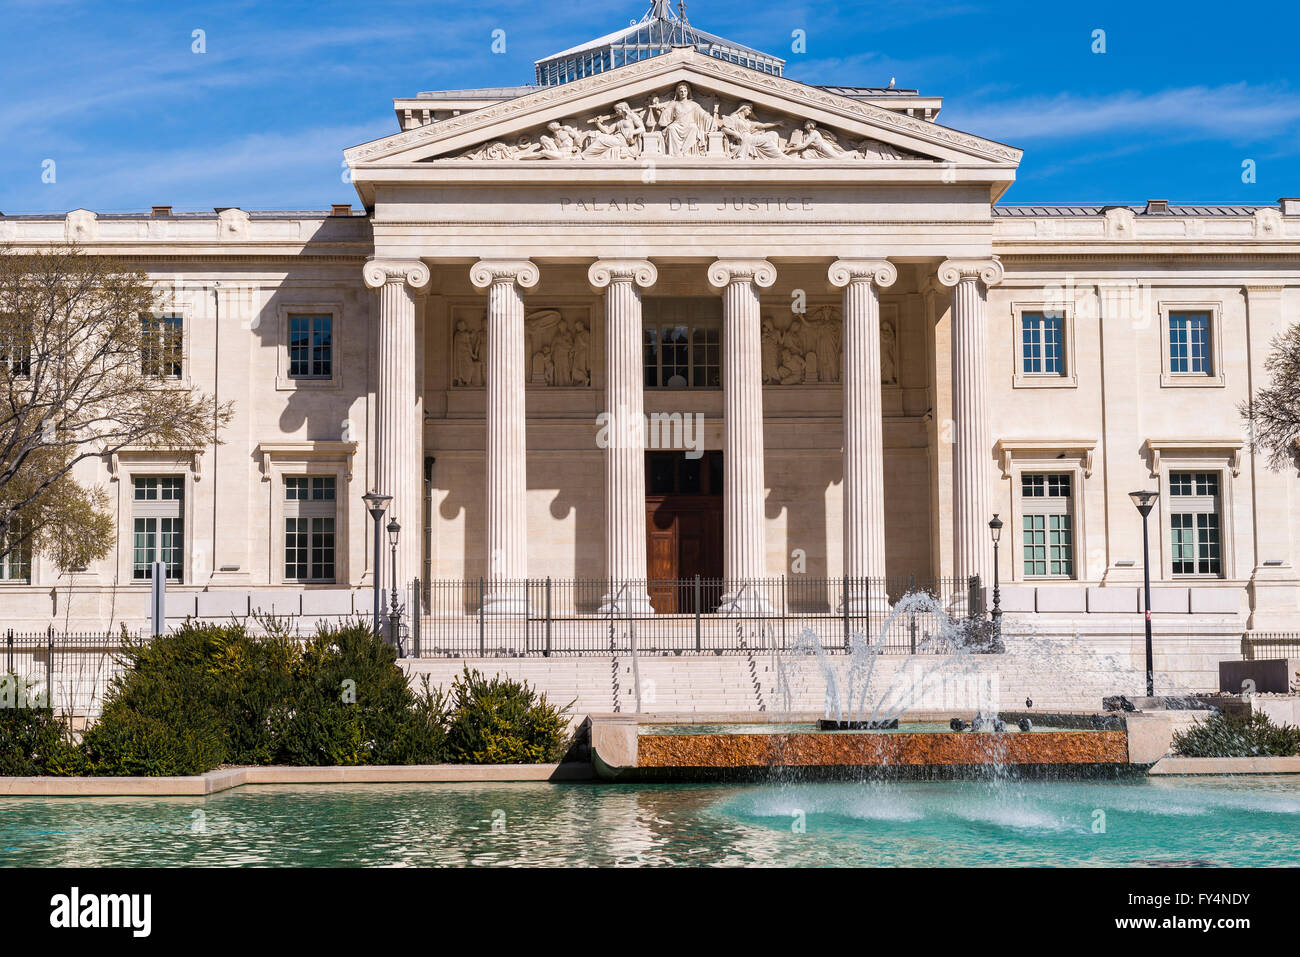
x,y
1147,822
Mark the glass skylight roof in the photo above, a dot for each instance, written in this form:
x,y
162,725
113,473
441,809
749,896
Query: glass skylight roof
x,y
659,31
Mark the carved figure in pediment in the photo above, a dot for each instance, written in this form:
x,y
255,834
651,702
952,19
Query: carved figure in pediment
x,y
876,150
564,142
685,123
581,374
752,139
466,355
522,148
618,140
814,143
888,354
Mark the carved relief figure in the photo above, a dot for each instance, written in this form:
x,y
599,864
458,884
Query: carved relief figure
x,y
563,142
581,374
753,140
466,355
685,123
825,335
770,347
888,354
557,353
812,143
620,140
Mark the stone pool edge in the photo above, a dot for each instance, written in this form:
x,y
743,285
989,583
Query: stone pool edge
x,y
215,782
1173,765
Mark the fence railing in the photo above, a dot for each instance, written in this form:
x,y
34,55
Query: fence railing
x,y
70,670
548,616
1259,645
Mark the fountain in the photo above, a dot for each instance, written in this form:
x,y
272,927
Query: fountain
x,y
935,712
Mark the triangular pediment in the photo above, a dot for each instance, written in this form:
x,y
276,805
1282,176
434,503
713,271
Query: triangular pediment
x,y
725,112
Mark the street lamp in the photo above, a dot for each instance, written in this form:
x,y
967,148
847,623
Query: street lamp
x,y
394,613
995,529
377,504
1144,502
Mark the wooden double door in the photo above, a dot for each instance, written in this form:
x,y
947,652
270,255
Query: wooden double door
x,y
684,531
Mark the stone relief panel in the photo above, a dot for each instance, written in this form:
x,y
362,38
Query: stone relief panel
x,y
557,348
675,123
806,349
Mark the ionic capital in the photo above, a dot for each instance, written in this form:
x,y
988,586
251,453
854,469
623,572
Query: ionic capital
x,y
880,271
724,272
489,272
605,271
380,272
987,271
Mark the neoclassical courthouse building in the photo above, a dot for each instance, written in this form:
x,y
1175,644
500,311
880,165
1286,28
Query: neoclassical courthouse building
x,y
850,356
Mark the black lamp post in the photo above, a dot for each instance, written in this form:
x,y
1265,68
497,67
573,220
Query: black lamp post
x,y
376,505
995,529
394,612
1144,501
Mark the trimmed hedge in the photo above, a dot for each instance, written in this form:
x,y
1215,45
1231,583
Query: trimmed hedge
x,y
211,695
32,738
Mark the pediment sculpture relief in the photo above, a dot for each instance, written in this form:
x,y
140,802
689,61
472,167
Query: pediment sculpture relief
x,y
806,349
679,126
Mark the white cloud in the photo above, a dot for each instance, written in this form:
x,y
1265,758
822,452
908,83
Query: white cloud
x,y
1236,112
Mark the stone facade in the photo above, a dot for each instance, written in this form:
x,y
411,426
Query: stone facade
x,y
869,298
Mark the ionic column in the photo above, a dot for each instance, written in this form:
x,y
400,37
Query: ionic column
x,y
864,446
400,433
743,550
625,541
970,278
507,516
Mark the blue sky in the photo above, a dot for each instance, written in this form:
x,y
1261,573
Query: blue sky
x,y
113,94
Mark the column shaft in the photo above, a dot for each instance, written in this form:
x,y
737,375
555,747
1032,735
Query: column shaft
x,y
625,530
506,492
972,546
743,486
864,447
400,438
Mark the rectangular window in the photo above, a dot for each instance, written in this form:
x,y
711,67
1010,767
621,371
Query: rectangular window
x,y
309,536
16,563
1041,351
311,347
1194,533
15,348
1047,529
162,340
1189,343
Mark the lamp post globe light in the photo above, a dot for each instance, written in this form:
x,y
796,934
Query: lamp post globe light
x,y
394,612
376,505
1144,500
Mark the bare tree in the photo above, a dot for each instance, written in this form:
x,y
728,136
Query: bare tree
x,y
1273,414
89,366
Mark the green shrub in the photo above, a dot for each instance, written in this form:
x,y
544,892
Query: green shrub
x,y
228,697
1221,736
502,721
33,740
136,744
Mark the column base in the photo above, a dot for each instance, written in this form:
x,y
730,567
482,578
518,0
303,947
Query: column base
x,y
744,602
505,603
634,604
857,603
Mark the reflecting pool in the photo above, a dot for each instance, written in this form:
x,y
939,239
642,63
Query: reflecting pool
x,y
1141,822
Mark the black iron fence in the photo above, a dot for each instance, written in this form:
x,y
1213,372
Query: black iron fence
x,y
69,670
1258,645
547,616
